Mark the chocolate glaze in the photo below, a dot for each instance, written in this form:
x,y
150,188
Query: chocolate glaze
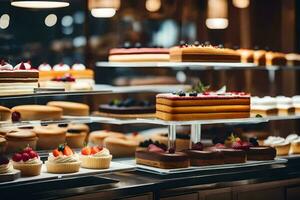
x,y
161,157
261,153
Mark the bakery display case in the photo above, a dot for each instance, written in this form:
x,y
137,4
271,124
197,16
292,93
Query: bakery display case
x,y
123,112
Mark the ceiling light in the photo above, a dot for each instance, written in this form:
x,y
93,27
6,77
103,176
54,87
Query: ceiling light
x,y
50,20
40,3
104,4
153,5
4,21
241,3
103,12
217,14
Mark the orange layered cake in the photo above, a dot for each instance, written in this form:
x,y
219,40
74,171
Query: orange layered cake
x,y
199,53
246,55
275,58
21,79
208,105
62,75
139,55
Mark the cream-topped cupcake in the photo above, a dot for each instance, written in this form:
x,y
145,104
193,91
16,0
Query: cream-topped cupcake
x,y
5,165
280,144
63,160
95,158
28,162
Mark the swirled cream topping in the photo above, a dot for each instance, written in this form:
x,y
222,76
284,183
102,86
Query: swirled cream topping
x,y
6,66
23,66
30,161
103,153
5,168
61,67
275,141
45,67
63,158
78,66
291,137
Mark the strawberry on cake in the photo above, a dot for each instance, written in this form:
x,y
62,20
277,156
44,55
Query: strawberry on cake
x,y
95,157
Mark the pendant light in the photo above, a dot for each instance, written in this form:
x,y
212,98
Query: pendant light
x,y
241,3
40,4
217,14
104,8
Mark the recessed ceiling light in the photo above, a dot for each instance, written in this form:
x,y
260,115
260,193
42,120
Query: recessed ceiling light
x,y
103,12
40,3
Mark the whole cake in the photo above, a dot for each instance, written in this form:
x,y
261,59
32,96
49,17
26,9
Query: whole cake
x,y
207,105
139,55
128,108
201,53
21,79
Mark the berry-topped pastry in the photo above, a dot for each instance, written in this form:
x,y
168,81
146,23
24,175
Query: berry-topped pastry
x,y
128,108
5,66
5,165
95,157
61,67
28,162
23,66
45,67
63,160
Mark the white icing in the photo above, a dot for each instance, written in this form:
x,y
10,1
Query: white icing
x,y
284,102
6,66
5,168
272,140
78,66
296,101
63,158
45,67
27,66
291,137
61,67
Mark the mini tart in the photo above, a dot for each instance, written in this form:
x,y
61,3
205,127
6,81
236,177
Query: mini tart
x,y
3,144
5,113
121,147
282,149
95,162
97,137
295,147
38,112
76,139
49,137
20,139
71,108
61,168
28,169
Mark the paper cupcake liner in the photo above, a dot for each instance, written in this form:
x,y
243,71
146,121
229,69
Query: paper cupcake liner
x,y
28,169
61,168
95,162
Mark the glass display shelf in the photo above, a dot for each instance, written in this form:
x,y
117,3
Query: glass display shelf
x,y
101,89
195,65
109,120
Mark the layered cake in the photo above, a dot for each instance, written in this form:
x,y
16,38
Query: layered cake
x,y
263,106
62,75
246,55
259,57
293,59
199,53
207,105
275,58
21,79
139,55
128,108
296,103
155,156
285,105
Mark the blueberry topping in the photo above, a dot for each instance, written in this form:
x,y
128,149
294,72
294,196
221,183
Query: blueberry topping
x,y
182,43
129,102
193,94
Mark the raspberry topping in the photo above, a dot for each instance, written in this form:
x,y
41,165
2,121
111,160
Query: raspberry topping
x,y
15,116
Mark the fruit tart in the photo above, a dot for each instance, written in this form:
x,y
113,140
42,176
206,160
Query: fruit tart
x,y
28,162
95,157
63,160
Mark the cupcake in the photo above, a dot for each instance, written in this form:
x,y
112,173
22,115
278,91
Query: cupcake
x,y
5,165
97,137
95,157
28,162
20,139
76,135
63,160
49,137
280,144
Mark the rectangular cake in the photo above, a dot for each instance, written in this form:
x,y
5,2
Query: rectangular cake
x,y
193,106
193,53
139,55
